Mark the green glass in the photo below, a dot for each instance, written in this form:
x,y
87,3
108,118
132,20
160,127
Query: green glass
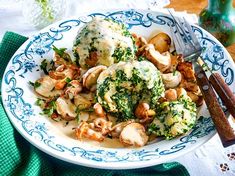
x,y
219,19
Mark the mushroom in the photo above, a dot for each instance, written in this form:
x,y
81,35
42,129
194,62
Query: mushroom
x,y
66,108
82,102
143,112
91,76
171,95
102,125
195,98
171,80
189,86
64,60
139,41
84,130
45,87
133,135
161,42
83,116
161,61
117,129
186,69
99,110
61,77
175,60
73,89
181,92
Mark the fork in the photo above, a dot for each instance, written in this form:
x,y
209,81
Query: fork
x,y
187,44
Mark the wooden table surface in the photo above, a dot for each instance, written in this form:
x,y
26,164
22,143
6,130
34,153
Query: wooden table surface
x,y
195,6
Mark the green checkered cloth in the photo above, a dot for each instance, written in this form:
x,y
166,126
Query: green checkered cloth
x,y
19,157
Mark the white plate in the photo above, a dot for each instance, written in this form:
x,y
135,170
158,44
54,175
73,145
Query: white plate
x,y
18,96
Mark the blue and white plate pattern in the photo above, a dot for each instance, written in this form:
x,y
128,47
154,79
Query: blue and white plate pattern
x,y
18,96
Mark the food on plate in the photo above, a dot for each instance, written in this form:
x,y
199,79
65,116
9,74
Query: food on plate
x,y
119,86
103,42
123,85
175,117
161,42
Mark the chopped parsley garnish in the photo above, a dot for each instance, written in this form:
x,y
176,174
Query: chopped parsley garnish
x,y
59,51
43,66
35,85
68,80
31,83
50,108
40,102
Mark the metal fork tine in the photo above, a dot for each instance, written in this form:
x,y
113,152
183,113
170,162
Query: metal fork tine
x,y
188,44
180,28
179,45
193,36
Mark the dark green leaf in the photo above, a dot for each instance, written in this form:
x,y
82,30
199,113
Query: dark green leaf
x,y
59,51
31,83
37,84
68,80
43,66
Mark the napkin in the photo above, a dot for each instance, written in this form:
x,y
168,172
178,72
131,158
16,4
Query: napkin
x,y
19,157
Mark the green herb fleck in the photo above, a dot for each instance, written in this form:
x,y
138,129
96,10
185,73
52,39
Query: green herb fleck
x,y
37,84
31,83
43,66
68,80
59,51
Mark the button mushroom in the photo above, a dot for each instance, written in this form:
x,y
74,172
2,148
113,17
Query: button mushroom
x,y
45,87
181,92
161,61
161,42
133,135
91,76
99,110
117,129
171,80
171,95
66,108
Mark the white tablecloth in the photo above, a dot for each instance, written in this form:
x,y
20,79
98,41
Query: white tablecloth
x,y
211,159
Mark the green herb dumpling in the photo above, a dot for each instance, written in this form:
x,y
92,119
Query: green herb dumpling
x,y
103,42
174,118
123,85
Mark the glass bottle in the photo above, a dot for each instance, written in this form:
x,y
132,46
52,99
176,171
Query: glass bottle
x,y
219,19
41,13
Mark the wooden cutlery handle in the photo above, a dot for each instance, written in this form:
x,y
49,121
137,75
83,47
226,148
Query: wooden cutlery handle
x,y
220,120
224,92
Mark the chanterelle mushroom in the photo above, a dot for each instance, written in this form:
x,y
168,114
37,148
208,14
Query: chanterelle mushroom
x,y
161,61
171,80
73,89
91,76
66,108
133,135
84,130
45,87
143,112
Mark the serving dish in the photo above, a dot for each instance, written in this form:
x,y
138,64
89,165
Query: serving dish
x,y
19,98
